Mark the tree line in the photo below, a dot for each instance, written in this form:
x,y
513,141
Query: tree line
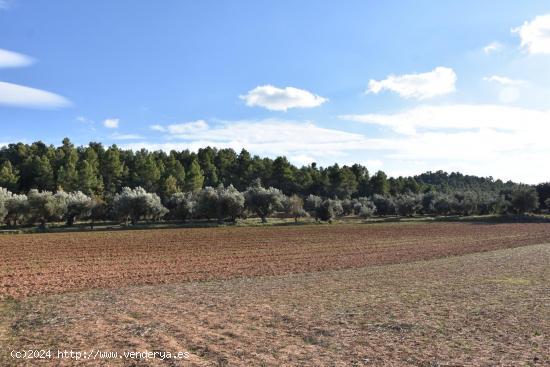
x,y
97,178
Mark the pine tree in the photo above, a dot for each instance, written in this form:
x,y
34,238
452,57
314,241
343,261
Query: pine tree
x,y
9,177
112,169
194,178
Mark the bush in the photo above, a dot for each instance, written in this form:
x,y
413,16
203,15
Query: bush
x,y
363,207
330,209
44,206
263,201
78,205
408,204
384,205
98,211
136,204
230,203
207,203
17,207
294,206
182,205
4,196
312,204
524,199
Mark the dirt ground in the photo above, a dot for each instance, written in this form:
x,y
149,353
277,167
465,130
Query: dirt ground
x,y
62,262
487,309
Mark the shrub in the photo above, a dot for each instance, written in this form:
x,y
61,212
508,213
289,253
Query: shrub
x,y
294,206
182,205
207,203
524,199
330,209
364,207
45,206
312,204
384,205
407,204
230,203
17,207
136,204
4,196
78,205
263,201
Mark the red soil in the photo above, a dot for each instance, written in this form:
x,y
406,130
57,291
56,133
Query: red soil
x,y
62,262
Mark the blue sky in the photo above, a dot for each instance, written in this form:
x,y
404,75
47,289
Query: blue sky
x,y
400,86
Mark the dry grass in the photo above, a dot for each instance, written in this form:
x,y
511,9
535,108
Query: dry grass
x,y
484,309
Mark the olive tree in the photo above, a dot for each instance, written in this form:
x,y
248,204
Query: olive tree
x,y
207,203
45,206
135,204
407,204
312,204
294,206
79,205
363,207
524,199
263,201
4,196
230,203
330,209
182,205
384,205
17,207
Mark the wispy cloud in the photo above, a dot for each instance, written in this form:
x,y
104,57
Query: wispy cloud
x,y
111,123
493,47
502,141
182,128
15,95
439,81
503,80
535,35
281,99
10,59
300,141
117,136
20,96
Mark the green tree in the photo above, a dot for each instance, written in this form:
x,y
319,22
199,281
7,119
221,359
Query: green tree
x,y
67,175
112,169
379,184
194,178
9,176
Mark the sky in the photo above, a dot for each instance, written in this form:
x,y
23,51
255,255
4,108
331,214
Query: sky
x,y
401,86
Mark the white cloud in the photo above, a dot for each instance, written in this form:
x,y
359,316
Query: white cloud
x,y
461,117
493,47
126,136
535,35
502,141
437,82
187,127
21,96
503,80
279,99
509,93
111,123
301,142
157,127
10,59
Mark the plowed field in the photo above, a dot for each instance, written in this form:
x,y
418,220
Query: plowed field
x,y
63,262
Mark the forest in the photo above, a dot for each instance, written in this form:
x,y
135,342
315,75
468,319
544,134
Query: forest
x,y
42,183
